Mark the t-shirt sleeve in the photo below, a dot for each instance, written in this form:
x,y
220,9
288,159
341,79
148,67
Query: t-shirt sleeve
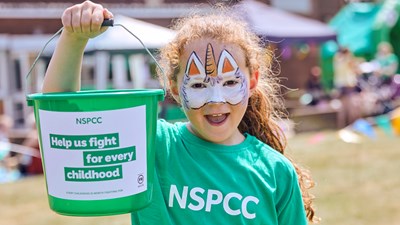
x,y
290,207
162,141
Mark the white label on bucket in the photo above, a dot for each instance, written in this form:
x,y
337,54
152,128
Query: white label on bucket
x,y
94,155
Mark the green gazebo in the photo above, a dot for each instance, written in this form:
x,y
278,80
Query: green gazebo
x,y
361,27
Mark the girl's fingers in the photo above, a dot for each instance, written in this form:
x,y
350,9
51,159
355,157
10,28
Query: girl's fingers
x,y
86,20
76,20
107,14
97,19
66,20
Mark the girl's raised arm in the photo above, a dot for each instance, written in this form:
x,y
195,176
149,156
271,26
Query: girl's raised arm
x,y
81,22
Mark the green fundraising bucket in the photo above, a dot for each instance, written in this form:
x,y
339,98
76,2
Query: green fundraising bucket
x,y
97,149
97,146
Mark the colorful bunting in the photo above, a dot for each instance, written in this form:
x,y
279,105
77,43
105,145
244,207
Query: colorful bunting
x,y
349,136
383,122
396,121
364,127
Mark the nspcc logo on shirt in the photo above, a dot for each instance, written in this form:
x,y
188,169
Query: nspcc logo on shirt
x,y
204,199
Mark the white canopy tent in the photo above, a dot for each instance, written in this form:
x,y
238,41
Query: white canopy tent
x,y
114,39
117,38
115,47
281,26
117,41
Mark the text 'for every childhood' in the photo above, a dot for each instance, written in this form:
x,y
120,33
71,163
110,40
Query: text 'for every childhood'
x,y
102,164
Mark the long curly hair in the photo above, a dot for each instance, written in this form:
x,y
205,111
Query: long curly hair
x,y
265,106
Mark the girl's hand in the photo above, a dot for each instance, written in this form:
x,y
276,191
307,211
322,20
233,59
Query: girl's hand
x,y
83,21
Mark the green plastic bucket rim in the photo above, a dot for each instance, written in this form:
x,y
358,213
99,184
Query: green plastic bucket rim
x,y
95,94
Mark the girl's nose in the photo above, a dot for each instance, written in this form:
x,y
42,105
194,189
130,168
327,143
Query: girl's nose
x,y
216,96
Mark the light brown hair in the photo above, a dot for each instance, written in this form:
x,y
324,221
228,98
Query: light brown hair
x,y
265,105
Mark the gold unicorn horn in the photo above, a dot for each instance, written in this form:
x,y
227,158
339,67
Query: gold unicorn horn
x,y
211,67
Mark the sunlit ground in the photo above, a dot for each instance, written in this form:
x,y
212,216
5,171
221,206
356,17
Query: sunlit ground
x,y
355,183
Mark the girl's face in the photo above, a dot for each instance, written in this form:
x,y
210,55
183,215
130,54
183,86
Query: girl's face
x,y
214,86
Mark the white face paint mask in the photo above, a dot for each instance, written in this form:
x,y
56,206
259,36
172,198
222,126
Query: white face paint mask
x,y
221,83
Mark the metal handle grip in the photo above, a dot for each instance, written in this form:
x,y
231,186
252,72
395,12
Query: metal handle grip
x,y
108,23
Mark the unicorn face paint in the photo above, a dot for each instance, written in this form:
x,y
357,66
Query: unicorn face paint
x,y
214,89
212,82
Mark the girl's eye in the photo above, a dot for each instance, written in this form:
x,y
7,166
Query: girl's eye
x,y
198,85
230,83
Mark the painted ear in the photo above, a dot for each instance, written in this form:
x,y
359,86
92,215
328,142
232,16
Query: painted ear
x,y
194,66
226,63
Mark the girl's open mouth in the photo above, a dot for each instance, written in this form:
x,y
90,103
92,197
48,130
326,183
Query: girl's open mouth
x,y
217,119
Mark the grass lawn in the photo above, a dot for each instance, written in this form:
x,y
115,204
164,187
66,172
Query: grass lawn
x,y
356,184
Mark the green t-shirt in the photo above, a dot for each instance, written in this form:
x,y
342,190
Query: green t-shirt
x,y
198,182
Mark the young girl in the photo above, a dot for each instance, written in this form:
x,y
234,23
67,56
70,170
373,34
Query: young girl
x,y
227,164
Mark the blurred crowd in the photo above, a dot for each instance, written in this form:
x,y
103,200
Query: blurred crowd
x,y
364,88
18,160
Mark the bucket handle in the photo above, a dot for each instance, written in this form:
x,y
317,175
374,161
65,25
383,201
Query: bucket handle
x,y
106,23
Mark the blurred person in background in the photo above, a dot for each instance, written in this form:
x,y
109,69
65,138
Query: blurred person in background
x,y
346,83
34,166
314,86
9,161
5,126
345,73
387,62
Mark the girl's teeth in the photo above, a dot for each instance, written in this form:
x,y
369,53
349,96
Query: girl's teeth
x,y
216,118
